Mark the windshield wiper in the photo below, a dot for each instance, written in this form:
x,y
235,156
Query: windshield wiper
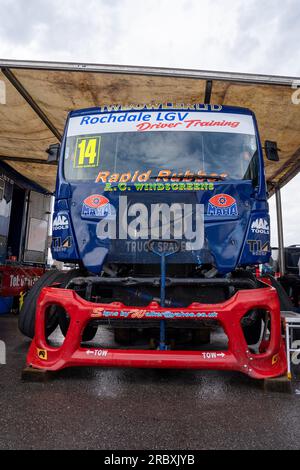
x,y
190,177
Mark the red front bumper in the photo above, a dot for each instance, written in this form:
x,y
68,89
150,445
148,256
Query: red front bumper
x,y
271,363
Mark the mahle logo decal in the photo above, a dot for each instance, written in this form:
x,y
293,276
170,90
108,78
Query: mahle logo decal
x,y
222,205
95,207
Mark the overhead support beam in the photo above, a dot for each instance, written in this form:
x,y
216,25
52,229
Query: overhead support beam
x,y
38,161
280,231
24,93
152,71
208,92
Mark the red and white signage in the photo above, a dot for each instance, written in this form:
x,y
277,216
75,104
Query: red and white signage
x,y
145,121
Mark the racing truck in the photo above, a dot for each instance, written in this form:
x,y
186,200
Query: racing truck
x,y
162,210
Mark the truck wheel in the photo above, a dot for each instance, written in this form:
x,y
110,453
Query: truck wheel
x,y
28,310
252,333
64,322
63,319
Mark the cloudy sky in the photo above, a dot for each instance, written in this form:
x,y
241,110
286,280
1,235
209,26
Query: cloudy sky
x,y
258,36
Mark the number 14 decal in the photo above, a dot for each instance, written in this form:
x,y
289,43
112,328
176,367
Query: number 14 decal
x,y
87,152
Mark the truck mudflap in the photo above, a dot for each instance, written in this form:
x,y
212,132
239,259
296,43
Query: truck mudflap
x,y
268,363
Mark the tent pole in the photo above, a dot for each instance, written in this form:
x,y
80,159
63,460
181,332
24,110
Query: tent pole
x,y
280,231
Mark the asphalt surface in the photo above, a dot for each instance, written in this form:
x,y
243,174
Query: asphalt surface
x,y
118,409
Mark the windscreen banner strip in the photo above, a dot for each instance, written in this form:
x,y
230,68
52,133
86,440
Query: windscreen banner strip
x,y
145,121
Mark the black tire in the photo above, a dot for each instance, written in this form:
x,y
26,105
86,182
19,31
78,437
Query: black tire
x,y
286,305
285,302
252,333
28,310
64,321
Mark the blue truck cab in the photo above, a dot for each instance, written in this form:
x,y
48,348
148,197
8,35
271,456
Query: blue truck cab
x,y
118,164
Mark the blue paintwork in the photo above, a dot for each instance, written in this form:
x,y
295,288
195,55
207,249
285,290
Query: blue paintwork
x,y
226,238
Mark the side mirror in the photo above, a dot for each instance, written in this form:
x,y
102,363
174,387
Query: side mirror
x,y
272,150
53,153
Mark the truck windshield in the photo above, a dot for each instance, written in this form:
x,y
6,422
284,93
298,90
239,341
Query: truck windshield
x,y
112,157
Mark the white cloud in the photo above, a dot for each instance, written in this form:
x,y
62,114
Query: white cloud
x,y
219,35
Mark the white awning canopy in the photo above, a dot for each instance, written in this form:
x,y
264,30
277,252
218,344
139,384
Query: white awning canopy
x,y
38,96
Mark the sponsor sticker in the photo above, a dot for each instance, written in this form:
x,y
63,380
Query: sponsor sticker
x,y
60,222
258,248
150,178
60,245
88,149
261,227
95,207
222,205
275,359
42,354
87,152
160,106
21,280
139,314
159,187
